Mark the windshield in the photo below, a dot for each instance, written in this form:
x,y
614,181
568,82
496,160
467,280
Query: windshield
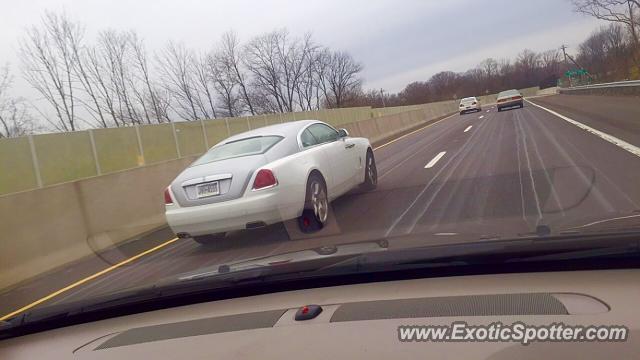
x,y
168,143
238,148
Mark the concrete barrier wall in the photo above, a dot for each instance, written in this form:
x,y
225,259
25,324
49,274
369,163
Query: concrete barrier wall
x,y
604,90
548,91
47,228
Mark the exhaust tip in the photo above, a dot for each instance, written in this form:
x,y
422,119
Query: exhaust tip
x,y
183,235
255,225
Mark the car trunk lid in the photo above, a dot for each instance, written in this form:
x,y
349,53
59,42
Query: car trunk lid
x,y
215,181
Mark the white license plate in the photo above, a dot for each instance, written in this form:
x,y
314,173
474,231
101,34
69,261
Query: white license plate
x,y
208,189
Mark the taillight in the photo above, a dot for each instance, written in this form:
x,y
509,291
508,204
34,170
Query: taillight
x,y
501,100
264,179
167,197
516,98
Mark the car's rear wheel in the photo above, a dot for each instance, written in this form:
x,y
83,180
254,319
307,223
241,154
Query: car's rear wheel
x,y
211,240
499,109
370,172
316,205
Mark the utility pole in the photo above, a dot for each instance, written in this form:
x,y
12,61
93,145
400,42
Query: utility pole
x,y
566,62
581,70
382,96
564,52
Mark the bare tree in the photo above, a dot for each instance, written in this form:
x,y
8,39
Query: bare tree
x,y
117,52
99,74
593,53
626,12
342,77
49,66
74,40
142,69
277,64
174,63
321,65
203,85
446,84
163,99
224,82
261,60
293,56
230,56
307,88
15,119
418,92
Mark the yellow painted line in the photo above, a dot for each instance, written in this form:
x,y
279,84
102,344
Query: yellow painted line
x,y
414,131
87,279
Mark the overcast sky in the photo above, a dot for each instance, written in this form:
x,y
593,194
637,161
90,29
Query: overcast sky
x,y
397,41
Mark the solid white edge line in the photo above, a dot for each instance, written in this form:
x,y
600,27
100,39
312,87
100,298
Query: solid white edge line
x,y
606,220
610,138
468,128
481,116
433,161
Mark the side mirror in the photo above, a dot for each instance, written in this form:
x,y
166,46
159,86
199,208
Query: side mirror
x,y
343,133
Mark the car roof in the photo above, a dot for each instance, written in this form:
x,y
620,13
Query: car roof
x,y
468,98
509,92
288,129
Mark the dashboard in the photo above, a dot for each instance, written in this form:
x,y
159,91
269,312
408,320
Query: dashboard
x,y
362,321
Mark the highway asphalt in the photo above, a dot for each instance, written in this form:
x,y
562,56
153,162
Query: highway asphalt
x,y
473,177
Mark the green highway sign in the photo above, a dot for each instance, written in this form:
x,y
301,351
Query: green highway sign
x,y
575,72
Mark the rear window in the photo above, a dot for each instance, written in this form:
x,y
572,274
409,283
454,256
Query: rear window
x,y
469,99
243,147
509,93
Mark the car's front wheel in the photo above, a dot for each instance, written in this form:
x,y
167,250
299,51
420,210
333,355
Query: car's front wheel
x,y
370,172
316,205
211,240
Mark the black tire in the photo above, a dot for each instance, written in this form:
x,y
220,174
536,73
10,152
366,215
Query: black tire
x,y
212,240
316,205
499,109
521,106
370,172
461,113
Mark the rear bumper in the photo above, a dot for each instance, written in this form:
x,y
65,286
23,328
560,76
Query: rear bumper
x,y
510,103
467,108
231,215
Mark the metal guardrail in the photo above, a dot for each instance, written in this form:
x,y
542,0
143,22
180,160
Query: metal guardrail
x,y
616,84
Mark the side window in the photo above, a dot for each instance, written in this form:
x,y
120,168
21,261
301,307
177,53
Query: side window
x,y
323,133
307,139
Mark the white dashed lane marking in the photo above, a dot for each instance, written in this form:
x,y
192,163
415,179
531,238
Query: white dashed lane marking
x,y
433,161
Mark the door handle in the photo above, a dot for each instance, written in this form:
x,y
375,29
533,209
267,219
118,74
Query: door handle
x,y
349,146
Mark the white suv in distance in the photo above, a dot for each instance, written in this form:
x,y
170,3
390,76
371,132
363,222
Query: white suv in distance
x,y
469,104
